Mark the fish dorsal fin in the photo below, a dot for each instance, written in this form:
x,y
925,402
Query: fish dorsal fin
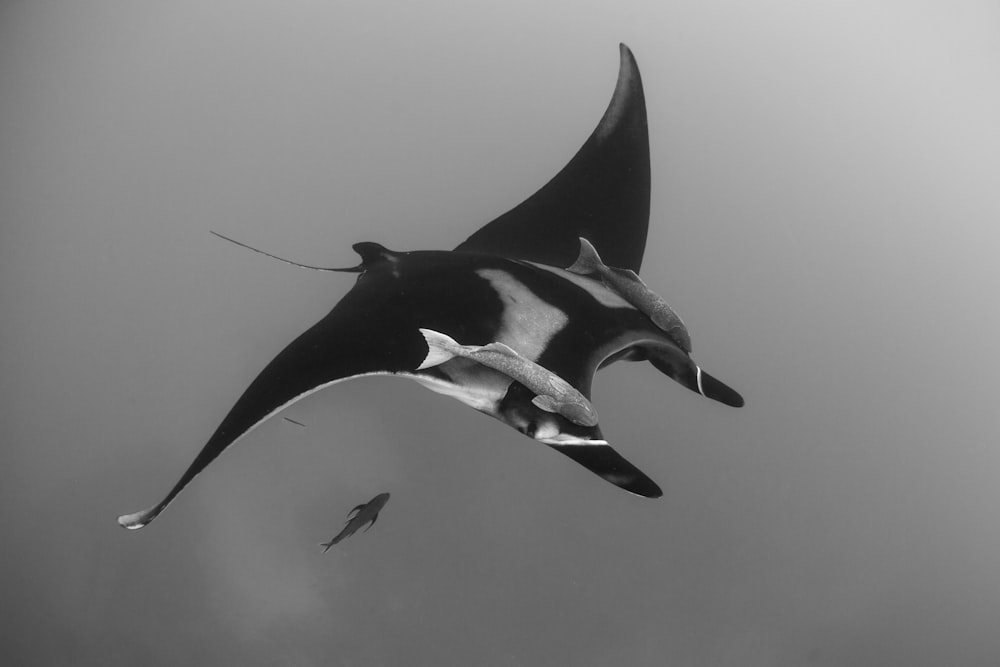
x,y
588,261
602,193
502,349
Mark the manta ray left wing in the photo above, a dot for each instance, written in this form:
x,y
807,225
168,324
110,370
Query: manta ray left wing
x,y
343,345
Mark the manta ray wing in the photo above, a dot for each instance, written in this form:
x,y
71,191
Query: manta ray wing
x,y
602,194
505,284
477,299
345,344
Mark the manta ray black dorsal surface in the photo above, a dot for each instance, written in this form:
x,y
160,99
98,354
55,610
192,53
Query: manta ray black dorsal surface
x,y
602,194
507,290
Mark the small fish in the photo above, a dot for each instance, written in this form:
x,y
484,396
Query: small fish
x,y
365,512
507,281
631,288
553,394
289,419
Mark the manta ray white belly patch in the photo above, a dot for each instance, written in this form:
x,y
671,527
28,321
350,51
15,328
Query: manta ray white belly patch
x,y
528,323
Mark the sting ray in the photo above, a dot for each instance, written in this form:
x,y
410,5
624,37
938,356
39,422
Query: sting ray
x,y
366,512
504,284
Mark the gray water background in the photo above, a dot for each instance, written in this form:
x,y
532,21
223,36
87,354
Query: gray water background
x,y
824,217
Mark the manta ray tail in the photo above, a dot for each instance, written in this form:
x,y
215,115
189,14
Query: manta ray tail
x,y
350,269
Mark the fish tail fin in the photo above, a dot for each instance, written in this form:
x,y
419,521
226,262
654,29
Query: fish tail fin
x,y
588,261
326,545
440,348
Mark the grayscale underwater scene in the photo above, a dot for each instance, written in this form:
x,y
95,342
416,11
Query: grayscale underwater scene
x,y
718,278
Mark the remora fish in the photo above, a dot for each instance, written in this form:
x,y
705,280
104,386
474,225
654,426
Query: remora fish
x,y
365,512
631,287
553,394
505,283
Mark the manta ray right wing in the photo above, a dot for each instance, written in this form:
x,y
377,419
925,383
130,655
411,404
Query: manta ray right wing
x,y
601,194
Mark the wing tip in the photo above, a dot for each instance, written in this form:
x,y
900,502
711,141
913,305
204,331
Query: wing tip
x,y
720,391
602,192
643,487
137,520
627,58
627,103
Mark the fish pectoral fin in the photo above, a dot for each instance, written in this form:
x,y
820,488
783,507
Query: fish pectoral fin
x,y
374,518
546,403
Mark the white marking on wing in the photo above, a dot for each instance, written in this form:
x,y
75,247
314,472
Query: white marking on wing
x,y
528,323
594,287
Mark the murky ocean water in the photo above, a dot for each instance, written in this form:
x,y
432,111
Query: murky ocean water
x,y
823,218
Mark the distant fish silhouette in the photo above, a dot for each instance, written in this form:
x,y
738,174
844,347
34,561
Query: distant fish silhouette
x,y
366,512
289,419
505,284
552,393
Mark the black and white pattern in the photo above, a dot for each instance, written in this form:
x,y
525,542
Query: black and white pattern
x,y
506,284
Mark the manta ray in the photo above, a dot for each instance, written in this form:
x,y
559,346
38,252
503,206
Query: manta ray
x,y
507,286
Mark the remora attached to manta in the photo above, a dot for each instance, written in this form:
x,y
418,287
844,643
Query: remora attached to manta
x,y
552,393
507,284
